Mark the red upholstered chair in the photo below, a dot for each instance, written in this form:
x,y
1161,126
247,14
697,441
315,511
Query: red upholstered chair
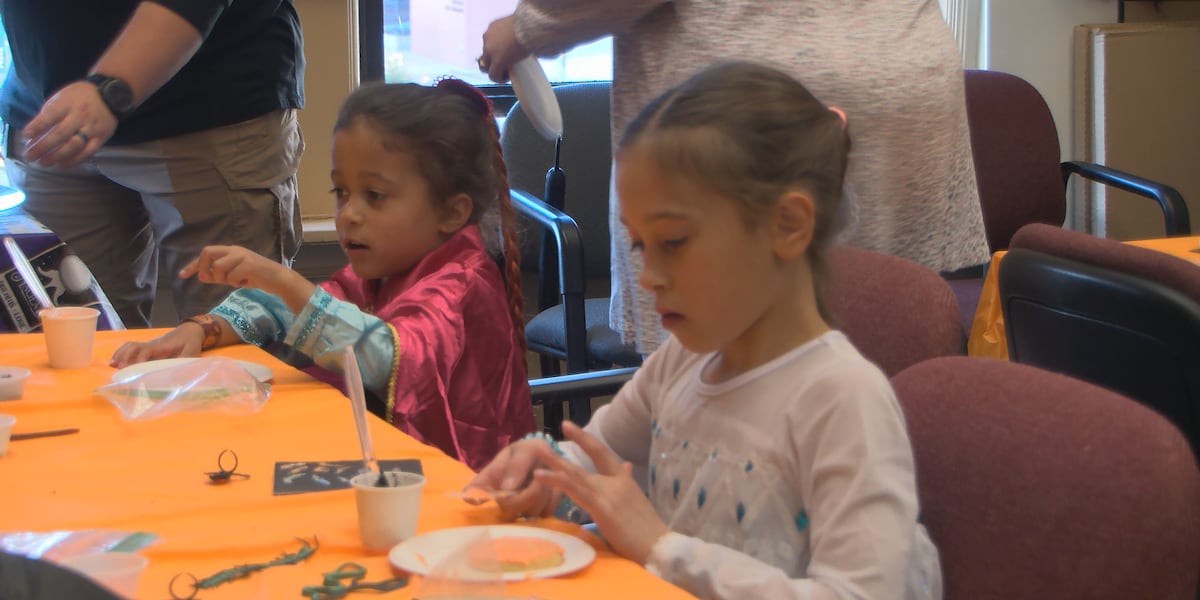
x,y
1018,169
1034,485
895,311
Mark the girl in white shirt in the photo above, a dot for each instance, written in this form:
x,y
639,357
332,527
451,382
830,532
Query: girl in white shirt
x,y
772,457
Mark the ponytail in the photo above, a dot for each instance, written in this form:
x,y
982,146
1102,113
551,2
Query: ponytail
x,y
508,217
508,236
509,240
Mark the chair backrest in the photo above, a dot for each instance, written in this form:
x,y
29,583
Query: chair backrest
x,y
1017,157
586,158
1123,317
1034,485
895,311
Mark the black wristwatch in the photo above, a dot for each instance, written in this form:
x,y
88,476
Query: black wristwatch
x,y
116,94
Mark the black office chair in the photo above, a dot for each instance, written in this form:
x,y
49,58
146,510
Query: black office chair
x,y
1123,317
573,178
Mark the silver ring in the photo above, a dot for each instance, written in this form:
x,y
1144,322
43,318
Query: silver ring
x,y
83,136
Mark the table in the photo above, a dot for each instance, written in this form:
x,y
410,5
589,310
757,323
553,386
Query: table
x,y
987,336
150,476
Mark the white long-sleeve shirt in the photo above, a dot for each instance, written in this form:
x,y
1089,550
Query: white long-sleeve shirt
x,y
795,473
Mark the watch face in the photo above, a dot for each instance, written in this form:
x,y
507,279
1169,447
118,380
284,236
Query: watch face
x,y
118,96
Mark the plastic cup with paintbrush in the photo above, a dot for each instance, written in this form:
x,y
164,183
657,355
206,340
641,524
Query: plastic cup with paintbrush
x,y
387,503
358,403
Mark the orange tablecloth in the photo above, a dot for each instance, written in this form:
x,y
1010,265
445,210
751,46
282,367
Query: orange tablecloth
x,y
150,476
987,337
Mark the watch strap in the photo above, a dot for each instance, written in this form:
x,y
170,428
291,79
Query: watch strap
x,y
105,86
211,327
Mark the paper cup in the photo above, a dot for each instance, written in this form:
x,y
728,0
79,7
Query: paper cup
x,y
6,427
387,515
117,571
12,382
70,333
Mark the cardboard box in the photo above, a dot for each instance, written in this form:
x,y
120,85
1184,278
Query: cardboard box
x,y
1141,11
18,307
1137,108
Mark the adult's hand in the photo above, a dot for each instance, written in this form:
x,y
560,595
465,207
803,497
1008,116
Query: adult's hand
x,y
501,50
70,127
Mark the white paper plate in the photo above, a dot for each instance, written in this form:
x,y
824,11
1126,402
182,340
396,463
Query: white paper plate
x,y
259,372
420,554
537,97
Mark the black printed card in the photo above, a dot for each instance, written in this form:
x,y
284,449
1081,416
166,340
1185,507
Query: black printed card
x,y
303,477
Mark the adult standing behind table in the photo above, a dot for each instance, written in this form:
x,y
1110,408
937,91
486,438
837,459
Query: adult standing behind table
x,y
141,131
891,65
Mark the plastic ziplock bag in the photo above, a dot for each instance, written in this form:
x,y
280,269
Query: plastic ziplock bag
x,y
57,545
470,571
204,385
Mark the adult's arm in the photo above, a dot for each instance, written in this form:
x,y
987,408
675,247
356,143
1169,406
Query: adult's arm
x,y
549,27
156,42
160,37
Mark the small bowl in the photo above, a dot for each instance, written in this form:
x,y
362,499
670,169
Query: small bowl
x,y
12,382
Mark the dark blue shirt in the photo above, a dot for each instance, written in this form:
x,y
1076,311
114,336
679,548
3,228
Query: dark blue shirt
x,y
251,62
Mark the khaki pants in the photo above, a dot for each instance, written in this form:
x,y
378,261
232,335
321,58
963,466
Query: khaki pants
x,y
130,209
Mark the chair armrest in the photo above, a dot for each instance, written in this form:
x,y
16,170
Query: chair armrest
x,y
579,385
569,242
1176,220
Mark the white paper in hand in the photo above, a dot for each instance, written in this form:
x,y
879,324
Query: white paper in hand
x,y
537,97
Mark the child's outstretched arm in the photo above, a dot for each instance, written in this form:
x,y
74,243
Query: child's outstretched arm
x,y
187,339
238,267
229,265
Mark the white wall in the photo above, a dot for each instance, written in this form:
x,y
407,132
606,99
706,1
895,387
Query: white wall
x,y
1033,39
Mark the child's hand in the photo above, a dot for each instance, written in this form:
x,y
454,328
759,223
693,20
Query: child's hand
x,y
512,470
184,340
620,509
238,267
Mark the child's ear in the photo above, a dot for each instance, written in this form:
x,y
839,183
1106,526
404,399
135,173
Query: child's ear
x,y
456,212
792,225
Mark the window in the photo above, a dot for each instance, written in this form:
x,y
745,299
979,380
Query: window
x,y
964,18
426,39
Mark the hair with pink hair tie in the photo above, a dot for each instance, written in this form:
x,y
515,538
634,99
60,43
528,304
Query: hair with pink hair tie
x,y
840,113
468,91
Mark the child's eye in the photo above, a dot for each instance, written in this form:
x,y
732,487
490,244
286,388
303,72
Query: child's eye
x,y
375,196
339,194
674,243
